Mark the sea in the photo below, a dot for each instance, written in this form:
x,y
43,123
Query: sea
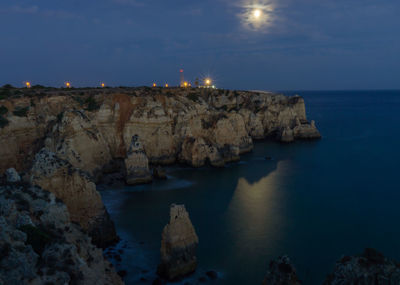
x,y
314,201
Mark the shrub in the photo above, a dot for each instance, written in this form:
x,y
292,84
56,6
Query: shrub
x,y
60,116
37,238
21,111
3,122
8,86
5,93
3,110
194,97
92,105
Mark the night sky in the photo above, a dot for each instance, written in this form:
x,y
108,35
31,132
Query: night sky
x,y
288,45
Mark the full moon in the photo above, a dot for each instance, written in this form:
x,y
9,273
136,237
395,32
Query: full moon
x,y
257,13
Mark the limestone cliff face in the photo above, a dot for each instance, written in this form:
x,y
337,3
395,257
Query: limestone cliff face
x,y
39,244
178,245
78,192
187,125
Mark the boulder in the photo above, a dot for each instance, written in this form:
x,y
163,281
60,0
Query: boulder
x,y
137,164
12,175
178,245
281,272
369,268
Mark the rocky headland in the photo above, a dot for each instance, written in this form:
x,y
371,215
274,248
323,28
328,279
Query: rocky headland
x,y
64,141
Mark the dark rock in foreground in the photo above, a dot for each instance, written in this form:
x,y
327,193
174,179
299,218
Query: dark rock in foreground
x,y
39,244
281,272
178,245
370,268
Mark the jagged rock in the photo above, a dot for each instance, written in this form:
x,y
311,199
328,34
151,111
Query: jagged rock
x,y
159,173
39,244
281,272
78,192
12,175
137,164
370,268
178,245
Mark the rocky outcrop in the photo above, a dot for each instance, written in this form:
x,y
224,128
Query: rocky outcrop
x,y
39,244
12,175
137,164
78,192
281,272
370,268
178,245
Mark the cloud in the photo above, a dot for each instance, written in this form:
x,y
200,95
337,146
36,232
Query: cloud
x,y
35,10
135,3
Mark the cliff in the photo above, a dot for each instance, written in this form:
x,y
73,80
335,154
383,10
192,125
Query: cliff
x,y
40,245
64,140
90,128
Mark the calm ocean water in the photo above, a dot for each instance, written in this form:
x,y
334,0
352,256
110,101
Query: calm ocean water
x,y
315,201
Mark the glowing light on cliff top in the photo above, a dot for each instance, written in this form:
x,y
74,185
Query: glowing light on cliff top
x,y
103,85
28,84
166,85
258,15
207,81
68,84
154,85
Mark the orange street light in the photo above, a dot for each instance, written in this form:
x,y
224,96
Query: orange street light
x,y
103,85
207,81
185,84
154,85
68,85
28,84
166,85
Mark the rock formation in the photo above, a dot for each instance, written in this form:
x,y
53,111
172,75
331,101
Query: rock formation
x,y
281,272
78,192
137,164
370,268
12,175
178,245
39,244
91,128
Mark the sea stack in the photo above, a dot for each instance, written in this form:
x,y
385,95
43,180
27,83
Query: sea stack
x,y
178,245
137,164
281,272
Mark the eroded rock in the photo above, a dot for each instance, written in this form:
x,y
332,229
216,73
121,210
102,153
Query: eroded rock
x,y
78,192
137,164
370,268
281,272
39,244
178,245
12,175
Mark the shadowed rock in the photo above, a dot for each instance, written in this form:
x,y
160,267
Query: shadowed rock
x,y
178,245
370,268
281,272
